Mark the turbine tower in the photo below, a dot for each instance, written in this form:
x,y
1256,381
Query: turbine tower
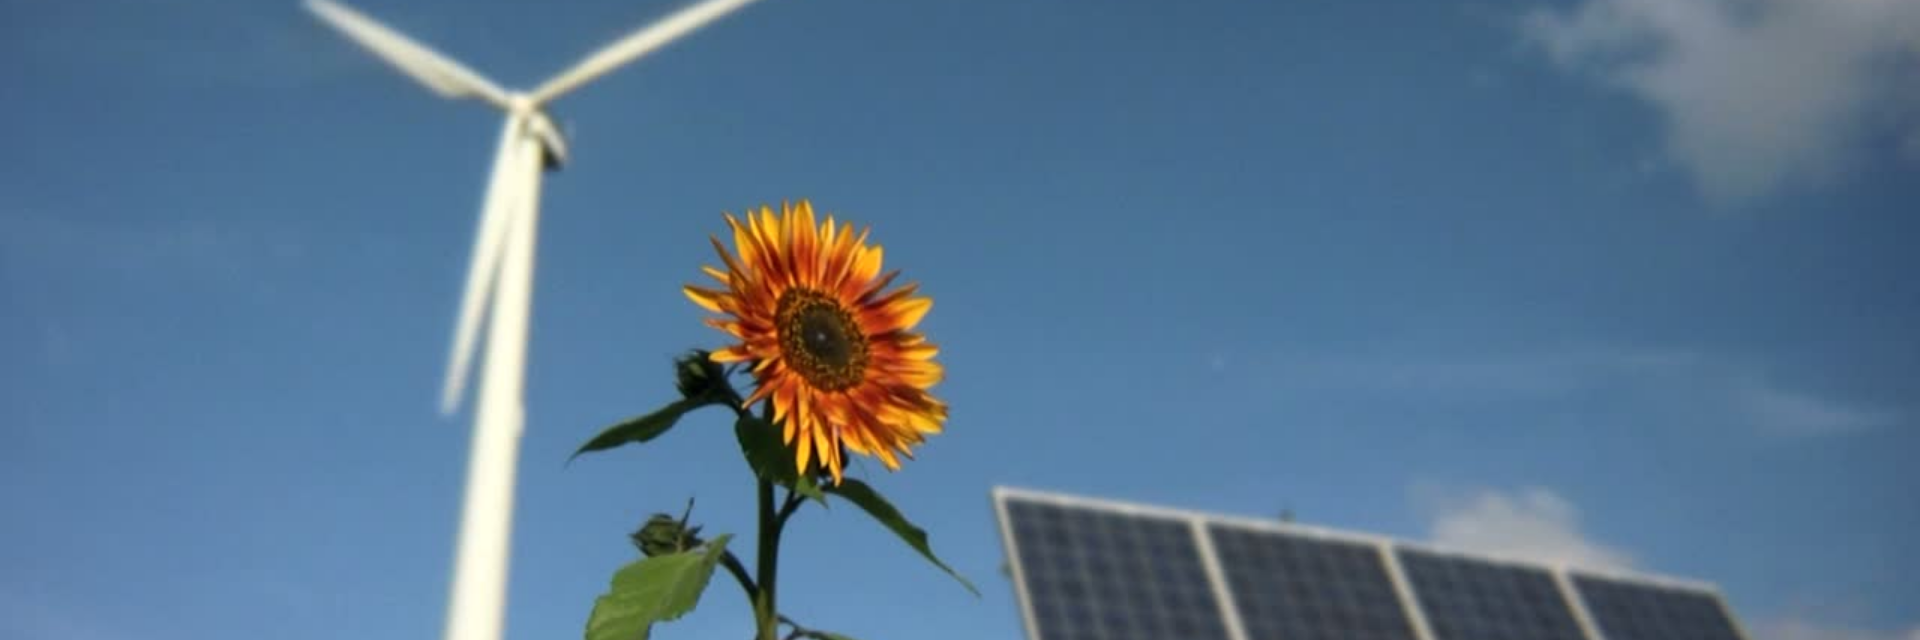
x,y
501,272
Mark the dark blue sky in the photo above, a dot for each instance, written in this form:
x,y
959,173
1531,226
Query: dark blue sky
x,y
1622,281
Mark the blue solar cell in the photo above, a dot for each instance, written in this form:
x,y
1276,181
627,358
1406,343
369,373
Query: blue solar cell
x,y
1100,575
1292,587
1092,571
1638,611
1466,599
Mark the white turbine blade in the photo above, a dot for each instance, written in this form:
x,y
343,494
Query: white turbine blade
x,y
639,43
496,210
477,607
438,72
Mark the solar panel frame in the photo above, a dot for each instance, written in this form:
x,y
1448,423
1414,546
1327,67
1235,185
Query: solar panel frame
x,y
1562,573
1014,564
1580,612
1217,576
1422,627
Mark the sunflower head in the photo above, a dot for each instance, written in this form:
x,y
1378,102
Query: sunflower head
x,y
829,343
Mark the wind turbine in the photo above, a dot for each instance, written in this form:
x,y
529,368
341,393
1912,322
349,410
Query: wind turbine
x,y
501,269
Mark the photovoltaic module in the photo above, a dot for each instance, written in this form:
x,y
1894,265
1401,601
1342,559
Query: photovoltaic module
x,y
1089,569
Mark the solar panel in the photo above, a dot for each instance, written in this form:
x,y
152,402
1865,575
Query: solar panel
x,y
1295,587
1097,574
1470,599
1640,611
1088,569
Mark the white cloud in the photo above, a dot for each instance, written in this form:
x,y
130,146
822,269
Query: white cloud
x,y
1530,373
1755,94
1675,386
1533,523
1802,629
1790,413
1536,523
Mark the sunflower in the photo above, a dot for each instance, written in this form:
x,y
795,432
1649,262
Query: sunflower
x,y
829,344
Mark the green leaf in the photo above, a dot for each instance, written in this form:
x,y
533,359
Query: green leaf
x,y
760,443
871,501
771,459
657,589
641,428
807,488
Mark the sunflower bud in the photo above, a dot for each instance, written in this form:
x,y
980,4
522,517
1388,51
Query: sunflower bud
x,y
663,534
697,375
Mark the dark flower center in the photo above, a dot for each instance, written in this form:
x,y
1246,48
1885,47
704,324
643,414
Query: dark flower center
x,y
820,340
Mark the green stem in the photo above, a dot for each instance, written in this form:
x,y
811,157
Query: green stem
x,y
802,632
786,509
739,571
765,608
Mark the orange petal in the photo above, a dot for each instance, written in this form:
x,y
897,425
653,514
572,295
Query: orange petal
x,y
922,422
726,257
844,254
707,298
856,444
800,238
867,263
886,457
735,329
769,229
875,286
836,451
760,393
805,449
742,242
736,353
918,352
776,251
783,402
766,368
833,467
803,408
821,442
905,291
911,310
918,378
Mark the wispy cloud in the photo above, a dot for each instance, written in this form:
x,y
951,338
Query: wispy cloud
x,y
1533,523
1791,413
1723,389
1516,372
1756,95
1804,629
57,272
29,616
1537,523
193,43
44,244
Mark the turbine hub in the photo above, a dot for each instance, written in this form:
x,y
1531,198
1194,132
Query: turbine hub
x,y
540,126
554,144
521,104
